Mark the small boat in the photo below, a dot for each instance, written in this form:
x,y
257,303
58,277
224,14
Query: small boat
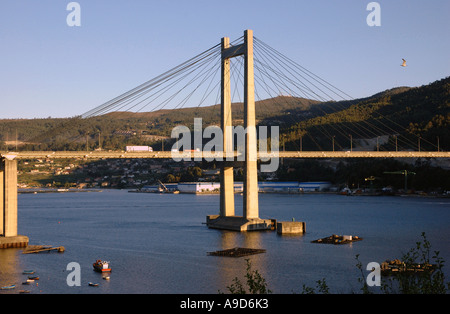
x,y
8,287
24,291
101,266
93,284
33,277
28,272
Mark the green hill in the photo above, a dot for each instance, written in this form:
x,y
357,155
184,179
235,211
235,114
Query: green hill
x,y
408,113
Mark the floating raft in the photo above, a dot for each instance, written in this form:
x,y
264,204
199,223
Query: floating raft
x,y
336,239
396,266
42,248
237,252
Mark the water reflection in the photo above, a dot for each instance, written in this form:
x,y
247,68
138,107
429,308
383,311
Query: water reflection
x,y
230,268
10,271
161,237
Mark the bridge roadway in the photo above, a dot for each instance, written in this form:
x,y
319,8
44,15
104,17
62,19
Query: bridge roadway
x,y
217,155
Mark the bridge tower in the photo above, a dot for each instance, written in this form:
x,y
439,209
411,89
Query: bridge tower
x,y
250,219
8,204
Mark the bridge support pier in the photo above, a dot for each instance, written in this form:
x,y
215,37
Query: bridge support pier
x,y
8,205
250,219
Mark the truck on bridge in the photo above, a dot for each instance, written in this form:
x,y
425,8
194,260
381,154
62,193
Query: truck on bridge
x,y
139,149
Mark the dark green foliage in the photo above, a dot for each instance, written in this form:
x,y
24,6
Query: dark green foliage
x,y
409,113
354,172
256,284
425,282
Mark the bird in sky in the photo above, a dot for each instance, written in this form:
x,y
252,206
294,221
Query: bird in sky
x,y
404,63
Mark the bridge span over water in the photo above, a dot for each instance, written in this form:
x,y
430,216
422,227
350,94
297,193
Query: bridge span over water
x,y
242,52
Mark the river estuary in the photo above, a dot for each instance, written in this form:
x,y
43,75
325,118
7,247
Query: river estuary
x,y
158,243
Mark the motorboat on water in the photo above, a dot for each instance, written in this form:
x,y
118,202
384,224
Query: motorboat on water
x,y
101,266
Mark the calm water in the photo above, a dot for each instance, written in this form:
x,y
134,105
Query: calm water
x,y
158,243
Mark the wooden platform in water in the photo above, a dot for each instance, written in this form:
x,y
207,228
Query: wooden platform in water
x,y
396,267
336,239
237,252
42,248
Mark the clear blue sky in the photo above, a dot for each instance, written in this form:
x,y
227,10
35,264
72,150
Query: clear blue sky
x,y
50,69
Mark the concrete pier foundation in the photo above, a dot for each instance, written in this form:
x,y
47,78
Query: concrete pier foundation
x,y
13,242
291,227
239,223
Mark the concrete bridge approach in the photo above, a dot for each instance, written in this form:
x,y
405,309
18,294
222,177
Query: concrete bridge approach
x,y
8,205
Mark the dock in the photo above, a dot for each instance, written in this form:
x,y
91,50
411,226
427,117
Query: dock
x,y
42,248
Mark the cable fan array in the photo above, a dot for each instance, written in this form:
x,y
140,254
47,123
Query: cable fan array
x,y
196,83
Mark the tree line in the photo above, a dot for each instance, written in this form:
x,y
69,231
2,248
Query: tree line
x,y
412,118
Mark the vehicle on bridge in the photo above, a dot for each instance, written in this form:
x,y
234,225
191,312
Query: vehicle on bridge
x,y
139,149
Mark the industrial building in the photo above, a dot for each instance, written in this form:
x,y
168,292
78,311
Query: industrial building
x,y
263,187
199,187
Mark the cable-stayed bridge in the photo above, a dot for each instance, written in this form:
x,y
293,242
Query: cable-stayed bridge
x,y
193,155
248,69
278,82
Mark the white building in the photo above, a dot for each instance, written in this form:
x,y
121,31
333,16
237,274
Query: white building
x,y
199,187
293,187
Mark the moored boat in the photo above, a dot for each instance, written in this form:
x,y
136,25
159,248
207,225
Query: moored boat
x,y
101,266
8,287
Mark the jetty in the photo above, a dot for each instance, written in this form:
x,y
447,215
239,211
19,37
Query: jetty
x,y
42,248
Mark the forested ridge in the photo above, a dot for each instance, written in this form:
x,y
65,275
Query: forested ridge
x,y
407,113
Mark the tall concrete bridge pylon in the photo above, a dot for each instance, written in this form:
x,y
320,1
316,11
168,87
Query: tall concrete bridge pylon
x,y
227,218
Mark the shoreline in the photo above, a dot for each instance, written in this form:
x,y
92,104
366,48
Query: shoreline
x,y
36,191
299,193
73,190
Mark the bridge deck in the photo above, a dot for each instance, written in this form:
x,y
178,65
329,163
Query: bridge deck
x,y
217,155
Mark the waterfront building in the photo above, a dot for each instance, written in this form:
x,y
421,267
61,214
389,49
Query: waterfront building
x,y
263,187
